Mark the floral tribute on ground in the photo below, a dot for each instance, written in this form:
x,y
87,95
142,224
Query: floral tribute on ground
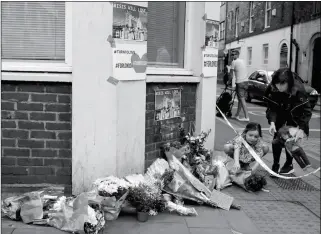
x,y
189,173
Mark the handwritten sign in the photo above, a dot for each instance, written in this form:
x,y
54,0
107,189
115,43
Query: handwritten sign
x,y
210,58
130,61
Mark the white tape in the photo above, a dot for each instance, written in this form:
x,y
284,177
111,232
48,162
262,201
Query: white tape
x,y
257,158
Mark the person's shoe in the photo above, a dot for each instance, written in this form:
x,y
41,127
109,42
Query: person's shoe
x,y
306,167
287,170
243,119
275,169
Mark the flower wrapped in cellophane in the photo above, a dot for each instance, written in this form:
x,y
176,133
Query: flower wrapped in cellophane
x,y
113,191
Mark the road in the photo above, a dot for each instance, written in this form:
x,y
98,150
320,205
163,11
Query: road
x,y
256,109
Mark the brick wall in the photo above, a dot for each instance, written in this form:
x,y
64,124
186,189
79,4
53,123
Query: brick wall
x,y
280,20
36,133
159,132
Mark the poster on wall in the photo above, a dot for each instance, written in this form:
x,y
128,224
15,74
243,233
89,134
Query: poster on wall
x,y
210,57
130,61
211,36
167,103
129,22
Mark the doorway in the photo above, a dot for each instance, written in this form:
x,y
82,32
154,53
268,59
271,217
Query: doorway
x,y
316,68
284,56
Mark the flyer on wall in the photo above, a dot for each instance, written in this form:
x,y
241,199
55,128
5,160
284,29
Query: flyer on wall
x,y
211,36
167,103
129,22
129,61
210,57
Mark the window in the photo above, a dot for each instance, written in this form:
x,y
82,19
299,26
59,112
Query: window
x,y
284,56
33,35
268,14
230,20
249,56
222,30
237,22
251,16
166,34
265,54
316,8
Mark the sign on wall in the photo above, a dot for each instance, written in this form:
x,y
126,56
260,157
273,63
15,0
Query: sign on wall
x,y
129,22
212,30
209,65
130,61
167,103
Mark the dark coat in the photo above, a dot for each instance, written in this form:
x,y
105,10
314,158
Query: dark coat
x,y
291,109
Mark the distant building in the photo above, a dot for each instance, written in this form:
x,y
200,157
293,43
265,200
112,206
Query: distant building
x,y
262,33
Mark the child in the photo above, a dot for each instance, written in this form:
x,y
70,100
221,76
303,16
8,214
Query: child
x,y
242,157
293,148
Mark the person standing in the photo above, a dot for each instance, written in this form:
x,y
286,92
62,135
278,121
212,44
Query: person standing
x,y
287,105
239,71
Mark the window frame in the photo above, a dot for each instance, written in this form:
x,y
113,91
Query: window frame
x,y
251,17
249,62
177,71
230,21
10,65
315,8
268,11
222,30
265,60
237,13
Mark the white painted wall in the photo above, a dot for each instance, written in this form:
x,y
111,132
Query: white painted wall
x,y
212,9
131,107
94,100
275,39
303,34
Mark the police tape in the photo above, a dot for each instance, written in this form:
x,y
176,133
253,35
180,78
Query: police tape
x,y
257,158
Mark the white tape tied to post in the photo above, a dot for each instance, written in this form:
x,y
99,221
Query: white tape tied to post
x,y
257,158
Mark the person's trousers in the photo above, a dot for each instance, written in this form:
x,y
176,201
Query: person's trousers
x,y
277,145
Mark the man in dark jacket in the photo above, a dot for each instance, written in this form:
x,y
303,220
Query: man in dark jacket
x,y
287,104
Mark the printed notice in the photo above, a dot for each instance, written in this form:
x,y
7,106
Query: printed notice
x,y
210,58
129,61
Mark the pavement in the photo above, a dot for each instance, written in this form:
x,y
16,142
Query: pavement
x,y
287,207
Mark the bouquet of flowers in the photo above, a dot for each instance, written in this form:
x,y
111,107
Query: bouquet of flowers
x,y
147,199
192,154
114,192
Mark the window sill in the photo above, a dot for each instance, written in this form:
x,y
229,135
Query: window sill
x,y
43,66
36,77
168,71
172,79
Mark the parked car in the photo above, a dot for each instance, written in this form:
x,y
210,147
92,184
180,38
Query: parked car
x,y
259,80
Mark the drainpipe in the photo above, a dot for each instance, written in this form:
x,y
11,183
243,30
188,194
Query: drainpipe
x,y
291,34
297,48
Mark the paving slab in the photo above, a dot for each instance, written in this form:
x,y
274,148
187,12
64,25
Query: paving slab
x,y
6,230
281,217
208,217
209,231
240,222
146,228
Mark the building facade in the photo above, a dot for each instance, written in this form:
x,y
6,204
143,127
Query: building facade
x,y
66,119
222,53
262,32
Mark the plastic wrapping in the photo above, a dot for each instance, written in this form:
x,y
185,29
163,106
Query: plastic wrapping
x,y
32,208
112,207
181,210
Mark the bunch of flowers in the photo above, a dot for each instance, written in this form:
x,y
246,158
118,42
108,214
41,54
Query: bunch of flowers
x,y
111,187
255,182
95,221
146,198
198,160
